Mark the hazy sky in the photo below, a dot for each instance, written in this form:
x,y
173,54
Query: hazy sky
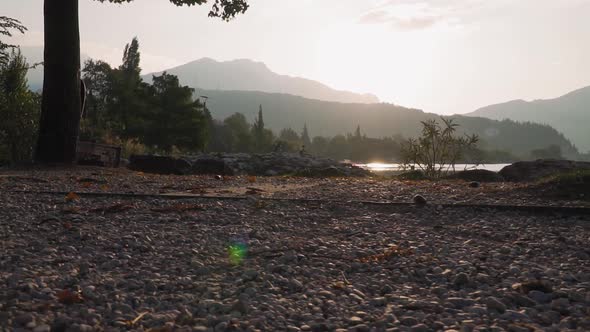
x,y
443,56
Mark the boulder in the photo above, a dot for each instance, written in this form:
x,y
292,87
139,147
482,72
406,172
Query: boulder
x,y
160,164
211,165
273,164
479,175
523,171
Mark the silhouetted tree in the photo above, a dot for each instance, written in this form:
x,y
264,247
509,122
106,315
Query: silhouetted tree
x,y
98,77
305,140
238,137
129,105
60,116
175,120
357,132
262,141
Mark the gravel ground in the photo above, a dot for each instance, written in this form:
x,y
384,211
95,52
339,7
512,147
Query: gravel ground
x,y
110,264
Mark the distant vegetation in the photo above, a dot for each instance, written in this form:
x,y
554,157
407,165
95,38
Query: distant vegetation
x,y
507,139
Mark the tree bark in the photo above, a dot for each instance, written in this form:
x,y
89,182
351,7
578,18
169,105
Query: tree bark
x,y
60,113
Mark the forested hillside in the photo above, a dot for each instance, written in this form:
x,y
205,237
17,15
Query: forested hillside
x,y
376,120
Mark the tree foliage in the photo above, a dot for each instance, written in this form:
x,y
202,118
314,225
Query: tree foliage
x,y
175,120
7,25
19,109
224,9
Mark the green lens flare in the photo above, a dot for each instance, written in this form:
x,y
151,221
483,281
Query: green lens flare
x,y
237,253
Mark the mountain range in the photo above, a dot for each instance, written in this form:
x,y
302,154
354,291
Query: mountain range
x,y
324,118
248,75
569,114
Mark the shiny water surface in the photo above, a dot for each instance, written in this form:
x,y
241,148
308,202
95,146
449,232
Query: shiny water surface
x,y
384,167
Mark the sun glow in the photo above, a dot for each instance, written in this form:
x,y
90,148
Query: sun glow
x,y
377,59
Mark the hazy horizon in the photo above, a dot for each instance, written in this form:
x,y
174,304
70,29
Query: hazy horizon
x,y
447,56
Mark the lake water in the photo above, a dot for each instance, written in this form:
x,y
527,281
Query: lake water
x,y
384,167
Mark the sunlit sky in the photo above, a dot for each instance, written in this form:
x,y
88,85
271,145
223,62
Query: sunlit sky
x,y
443,56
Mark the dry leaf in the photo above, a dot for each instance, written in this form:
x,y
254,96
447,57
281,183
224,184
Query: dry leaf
x,y
339,285
68,297
104,187
251,179
86,184
72,197
131,323
393,251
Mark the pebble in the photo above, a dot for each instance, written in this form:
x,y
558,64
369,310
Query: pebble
x,y
461,280
496,305
303,267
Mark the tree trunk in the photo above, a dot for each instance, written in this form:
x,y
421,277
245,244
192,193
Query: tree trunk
x,y
60,113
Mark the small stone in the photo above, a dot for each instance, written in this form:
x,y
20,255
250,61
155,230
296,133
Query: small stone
x,y
539,296
461,280
494,304
355,320
85,328
419,200
419,328
524,301
378,301
474,184
517,328
24,319
250,275
240,306
359,328
221,327
408,321
512,315
386,289
460,303
42,328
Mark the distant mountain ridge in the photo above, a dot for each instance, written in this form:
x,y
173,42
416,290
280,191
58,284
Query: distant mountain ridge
x,y
569,114
325,118
248,75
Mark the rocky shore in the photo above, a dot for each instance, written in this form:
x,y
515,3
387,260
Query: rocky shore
x,y
266,164
101,263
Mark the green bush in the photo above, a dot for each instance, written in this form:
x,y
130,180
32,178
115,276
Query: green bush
x,y
19,110
437,151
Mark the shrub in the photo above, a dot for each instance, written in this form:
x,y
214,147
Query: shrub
x,y
19,110
438,149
